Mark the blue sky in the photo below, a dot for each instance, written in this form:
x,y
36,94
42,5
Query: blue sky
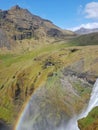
x,y
67,14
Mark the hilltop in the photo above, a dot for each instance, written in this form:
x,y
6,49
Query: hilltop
x,y
18,24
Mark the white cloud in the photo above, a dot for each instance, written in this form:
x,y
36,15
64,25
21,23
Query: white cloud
x,y
91,10
88,26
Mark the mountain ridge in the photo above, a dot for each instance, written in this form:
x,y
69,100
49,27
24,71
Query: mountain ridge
x,y
19,24
83,30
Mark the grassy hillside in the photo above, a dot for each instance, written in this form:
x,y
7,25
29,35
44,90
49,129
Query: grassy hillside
x,y
87,39
21,74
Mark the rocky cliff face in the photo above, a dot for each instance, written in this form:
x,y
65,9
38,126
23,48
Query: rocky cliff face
x,y
18,24
4,39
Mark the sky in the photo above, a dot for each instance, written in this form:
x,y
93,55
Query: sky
x,y
67,14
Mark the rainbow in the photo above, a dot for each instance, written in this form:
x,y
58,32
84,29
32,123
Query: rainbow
x,y
23,111
21,115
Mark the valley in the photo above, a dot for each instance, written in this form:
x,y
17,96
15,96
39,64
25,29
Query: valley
x,y
45,69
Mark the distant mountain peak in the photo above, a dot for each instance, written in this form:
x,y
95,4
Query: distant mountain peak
x,y
83,30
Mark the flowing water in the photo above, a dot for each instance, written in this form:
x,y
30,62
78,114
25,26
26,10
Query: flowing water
x,y
31,114
93,101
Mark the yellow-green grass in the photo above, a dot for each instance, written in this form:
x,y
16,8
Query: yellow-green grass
x,y
28,70
91,121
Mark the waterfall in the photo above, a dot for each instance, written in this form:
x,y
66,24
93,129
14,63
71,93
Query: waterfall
x,y
27,121
93,102
72,124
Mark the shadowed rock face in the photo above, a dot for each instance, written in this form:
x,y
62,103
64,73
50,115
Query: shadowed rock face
x,y
77,69
55,33
4,39
3,126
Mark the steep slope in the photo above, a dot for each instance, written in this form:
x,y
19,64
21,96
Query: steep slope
x,y
22,74
18,24
55,103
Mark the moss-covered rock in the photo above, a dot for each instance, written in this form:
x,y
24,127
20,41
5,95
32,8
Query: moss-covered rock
x,y
90,122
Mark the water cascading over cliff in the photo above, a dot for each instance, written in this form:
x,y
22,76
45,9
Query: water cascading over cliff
x,y
93,102
41,113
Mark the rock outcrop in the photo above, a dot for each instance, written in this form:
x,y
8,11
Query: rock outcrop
x,y
19,24
4,126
